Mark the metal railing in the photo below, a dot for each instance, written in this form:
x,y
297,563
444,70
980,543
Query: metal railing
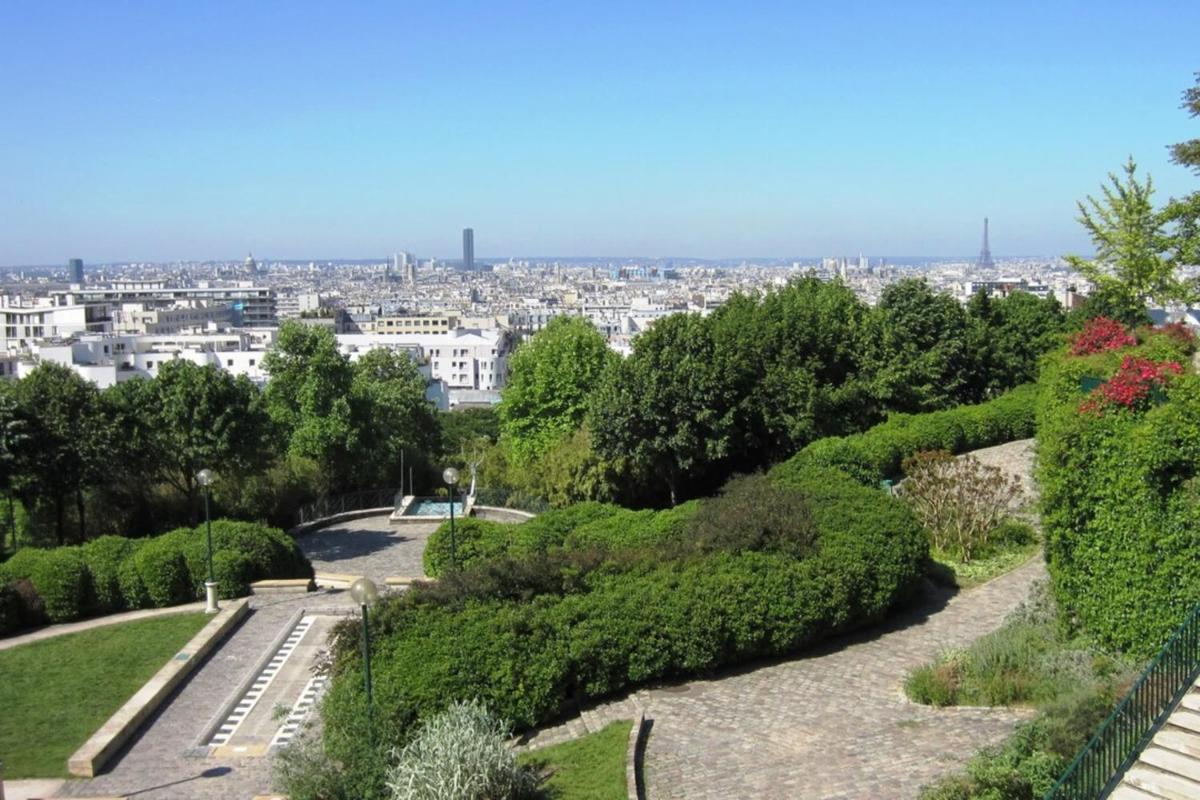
x,y
324,507
1121,738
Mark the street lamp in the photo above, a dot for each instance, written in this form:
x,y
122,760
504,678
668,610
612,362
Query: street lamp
x,y
450,476
205,478
365,593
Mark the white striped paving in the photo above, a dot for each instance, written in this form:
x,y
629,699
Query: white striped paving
x,y
247,702
300,712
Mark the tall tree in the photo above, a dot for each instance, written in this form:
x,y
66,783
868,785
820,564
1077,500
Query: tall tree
x,y
14,453
551,376
206,418
66,434
310,398
393,414
1184,213
1007,338
919,352
1133,265
668,408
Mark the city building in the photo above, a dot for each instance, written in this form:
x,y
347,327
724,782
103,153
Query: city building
x,y
251,306
23,322
468,249
75,270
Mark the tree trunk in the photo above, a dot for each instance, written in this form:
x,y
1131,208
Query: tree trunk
x,y
82,521
58,519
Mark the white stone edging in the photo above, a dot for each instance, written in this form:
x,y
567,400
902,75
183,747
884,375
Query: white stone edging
x,y
104,743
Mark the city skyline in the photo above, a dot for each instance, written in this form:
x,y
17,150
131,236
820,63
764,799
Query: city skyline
x,y
188,133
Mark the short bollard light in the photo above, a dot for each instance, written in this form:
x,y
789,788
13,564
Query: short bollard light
x,y
366,593
450,476
205,478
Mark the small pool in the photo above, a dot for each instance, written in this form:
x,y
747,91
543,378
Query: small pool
x,y
432,508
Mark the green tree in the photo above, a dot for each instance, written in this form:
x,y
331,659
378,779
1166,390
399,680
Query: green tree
x,y
668,409
1133,264
14,453
1007,338
1184,213
551,377
66,434
919,351
393,415
309,396
203,417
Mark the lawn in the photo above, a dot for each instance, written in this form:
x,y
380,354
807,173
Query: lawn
x,y
980,570
590,768
57,692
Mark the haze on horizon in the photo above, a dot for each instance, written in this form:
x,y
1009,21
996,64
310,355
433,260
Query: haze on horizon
x,y
163,132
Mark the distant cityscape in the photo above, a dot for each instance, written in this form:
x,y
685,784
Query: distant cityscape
x,y
459,319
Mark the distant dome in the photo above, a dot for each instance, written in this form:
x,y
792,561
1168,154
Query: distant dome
x,y
250,264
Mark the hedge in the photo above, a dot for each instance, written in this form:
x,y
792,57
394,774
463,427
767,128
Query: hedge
x,y
113,573
877,453
530,660
1121,500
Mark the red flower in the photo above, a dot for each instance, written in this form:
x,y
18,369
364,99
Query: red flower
x,y
1131,386
1100,335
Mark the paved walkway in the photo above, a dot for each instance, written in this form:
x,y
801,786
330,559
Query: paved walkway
x,y
371,547
50,631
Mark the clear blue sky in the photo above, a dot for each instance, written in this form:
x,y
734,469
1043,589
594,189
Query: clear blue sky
x,y
191,130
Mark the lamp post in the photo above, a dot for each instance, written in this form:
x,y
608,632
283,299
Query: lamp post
x,y
365,593
450,476
205,478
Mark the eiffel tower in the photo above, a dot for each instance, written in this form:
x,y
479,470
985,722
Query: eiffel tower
x,y
985,254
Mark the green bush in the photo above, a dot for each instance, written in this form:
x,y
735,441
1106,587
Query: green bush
x,y
234,572
11,616
1121,502
651,619
62,581
133,588
104,557
878,453
163,568
475,540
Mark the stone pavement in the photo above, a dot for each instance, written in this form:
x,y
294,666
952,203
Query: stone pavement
x,y
833,724
371,547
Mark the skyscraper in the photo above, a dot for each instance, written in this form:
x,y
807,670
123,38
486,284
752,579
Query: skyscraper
x,y
468,249
75,270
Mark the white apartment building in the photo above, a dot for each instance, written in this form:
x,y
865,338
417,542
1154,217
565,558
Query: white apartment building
x,y
22,322
250,306
194,316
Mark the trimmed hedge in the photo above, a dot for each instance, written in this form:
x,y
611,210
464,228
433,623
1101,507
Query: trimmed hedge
x,y
1121,499
113,573
877,453
651,620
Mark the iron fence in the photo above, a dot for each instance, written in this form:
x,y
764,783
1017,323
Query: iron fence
x,y
1122,737
324,507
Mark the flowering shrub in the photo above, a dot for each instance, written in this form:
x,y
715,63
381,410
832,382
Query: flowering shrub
x,y
1132,385
1101,335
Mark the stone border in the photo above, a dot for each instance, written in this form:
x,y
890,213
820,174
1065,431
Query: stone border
x,y
497,512
634,753
282,586
120,727
201,746
345,516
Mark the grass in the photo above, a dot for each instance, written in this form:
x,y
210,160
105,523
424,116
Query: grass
x,y
1014,544
57,692
590,768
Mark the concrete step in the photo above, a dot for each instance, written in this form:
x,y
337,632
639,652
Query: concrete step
x,y
1173,762
1127,792
1179,740
1191,701
1162,784
1188,720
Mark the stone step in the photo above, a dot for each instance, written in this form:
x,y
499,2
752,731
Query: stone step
x,y
1127,792
1188,720
1162,784
1191,701
1173,762
1179,740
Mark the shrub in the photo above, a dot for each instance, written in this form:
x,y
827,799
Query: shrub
x,y
59,576
960,501
1133,385
11,616
133,588
933,684
104,557
460,753
879,453
234,572
1120,504
1100,335
474,540
645,620
163,569
754,514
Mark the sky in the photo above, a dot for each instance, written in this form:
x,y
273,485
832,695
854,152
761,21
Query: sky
x,y
151,131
